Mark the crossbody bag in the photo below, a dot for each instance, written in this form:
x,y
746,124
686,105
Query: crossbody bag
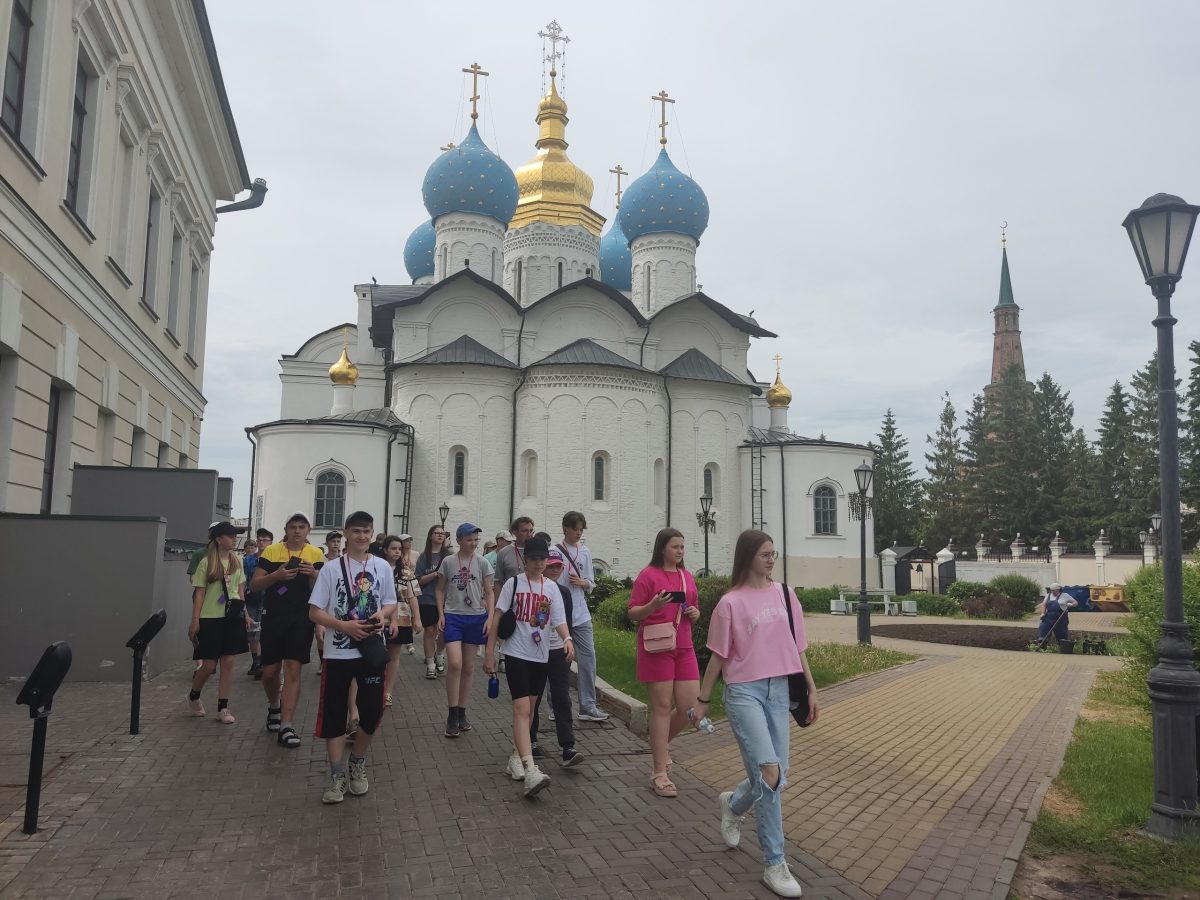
x,y
661,637
372,648
234,607
797,683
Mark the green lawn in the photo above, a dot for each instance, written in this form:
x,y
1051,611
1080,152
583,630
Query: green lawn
x,y
1102,797
616,656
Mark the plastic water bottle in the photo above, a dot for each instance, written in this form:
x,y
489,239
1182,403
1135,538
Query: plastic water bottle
x,y
706,724
493,687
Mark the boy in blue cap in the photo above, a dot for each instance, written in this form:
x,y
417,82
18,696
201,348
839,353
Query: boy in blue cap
x,y
464,604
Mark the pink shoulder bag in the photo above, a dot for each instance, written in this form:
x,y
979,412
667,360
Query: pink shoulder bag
x,y
660,638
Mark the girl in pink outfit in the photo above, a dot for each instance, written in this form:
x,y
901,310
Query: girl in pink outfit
x,y
664,592
755,651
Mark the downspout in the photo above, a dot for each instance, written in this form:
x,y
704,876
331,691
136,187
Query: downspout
x,y
387,483
667,391
258,193
253,457
512,462
783,509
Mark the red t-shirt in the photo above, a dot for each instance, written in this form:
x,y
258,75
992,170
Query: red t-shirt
x,y
649,582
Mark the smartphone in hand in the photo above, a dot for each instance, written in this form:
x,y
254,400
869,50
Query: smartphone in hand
x,y
293,563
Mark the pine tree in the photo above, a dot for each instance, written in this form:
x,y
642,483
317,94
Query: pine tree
x,y
977,461
1054,416
1015,478
1144,497
1189,452
1078,516
943,489
1114,481
896,489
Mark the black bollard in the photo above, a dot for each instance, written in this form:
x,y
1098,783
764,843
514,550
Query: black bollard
x,y
38,694
138,644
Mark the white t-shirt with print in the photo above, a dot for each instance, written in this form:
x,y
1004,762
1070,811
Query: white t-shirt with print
x,y
539,607
374,587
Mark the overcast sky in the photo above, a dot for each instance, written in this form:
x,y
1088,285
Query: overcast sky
x,y
858,159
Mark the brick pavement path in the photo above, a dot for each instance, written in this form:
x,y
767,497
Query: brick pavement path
x,y
190,808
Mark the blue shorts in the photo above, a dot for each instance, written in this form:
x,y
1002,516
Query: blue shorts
x,y
468,629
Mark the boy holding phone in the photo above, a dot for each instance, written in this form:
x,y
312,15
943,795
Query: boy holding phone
x,y
352,599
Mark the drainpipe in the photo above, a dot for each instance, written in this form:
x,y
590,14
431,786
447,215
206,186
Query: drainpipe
x,y
783,509
512,462
387,482
253,457
667,391
258,193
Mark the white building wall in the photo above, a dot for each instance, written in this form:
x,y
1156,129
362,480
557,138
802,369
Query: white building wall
x,y
467,240
664,269
539,250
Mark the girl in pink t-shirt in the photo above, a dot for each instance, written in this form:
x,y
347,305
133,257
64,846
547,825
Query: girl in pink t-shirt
x,y
755,651
671,675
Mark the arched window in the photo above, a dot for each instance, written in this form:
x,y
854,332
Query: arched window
x,y
458,471
600,476
530,473
520,272
825,518
493,275
445,259
560,274
330,506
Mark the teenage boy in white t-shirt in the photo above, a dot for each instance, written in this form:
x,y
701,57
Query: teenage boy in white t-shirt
x,y
538,607
353,598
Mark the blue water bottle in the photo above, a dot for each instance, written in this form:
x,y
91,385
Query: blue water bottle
x,y
493,687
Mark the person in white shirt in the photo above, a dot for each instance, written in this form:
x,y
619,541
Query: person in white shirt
x,y
1054,614
578,576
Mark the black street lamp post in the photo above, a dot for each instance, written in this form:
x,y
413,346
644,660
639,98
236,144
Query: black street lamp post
x,y
444,512
860,506
707,520
1160,230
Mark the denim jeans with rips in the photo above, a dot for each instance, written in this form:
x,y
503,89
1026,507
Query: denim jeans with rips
x,y
758,714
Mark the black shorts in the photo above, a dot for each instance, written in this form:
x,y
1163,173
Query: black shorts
x,y
525,678
334,705
404,635
224,636
429,615
285,635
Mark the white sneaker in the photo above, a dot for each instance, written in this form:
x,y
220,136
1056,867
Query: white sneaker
x,y
516,768
440,662
535,780
731,825
336,792
410,649
358,777
779,879
596,714
430,671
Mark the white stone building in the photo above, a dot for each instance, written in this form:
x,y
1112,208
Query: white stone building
x,y
116,141
534,366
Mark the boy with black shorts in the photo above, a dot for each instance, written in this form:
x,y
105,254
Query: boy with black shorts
x,y
285,576
537,606
353,599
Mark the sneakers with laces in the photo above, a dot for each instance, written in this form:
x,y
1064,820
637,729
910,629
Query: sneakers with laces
x,y
571,758
225,717
595,714
535,780
430,671
357,782
536,752
463,724
516,768
410,649
440,663
336,792
731,825
779,879
193,708
452,728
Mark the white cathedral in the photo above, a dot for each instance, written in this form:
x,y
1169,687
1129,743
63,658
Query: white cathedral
x,y
538,364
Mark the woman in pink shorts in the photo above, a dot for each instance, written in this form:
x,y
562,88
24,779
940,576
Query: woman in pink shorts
x,y
665,592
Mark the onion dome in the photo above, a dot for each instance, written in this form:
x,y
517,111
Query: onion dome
x,y
552,188
616,262
663,200
418,251
343,371
778,396
470,178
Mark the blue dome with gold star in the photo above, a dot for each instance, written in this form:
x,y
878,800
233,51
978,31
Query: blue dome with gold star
x,y
418,251
470,178
616,262
663,200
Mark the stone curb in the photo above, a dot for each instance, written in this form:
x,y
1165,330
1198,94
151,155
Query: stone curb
x,y
633,712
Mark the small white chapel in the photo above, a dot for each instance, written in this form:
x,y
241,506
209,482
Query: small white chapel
x,y
538,363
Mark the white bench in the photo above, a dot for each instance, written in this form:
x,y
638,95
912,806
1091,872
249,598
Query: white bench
x,y
847,604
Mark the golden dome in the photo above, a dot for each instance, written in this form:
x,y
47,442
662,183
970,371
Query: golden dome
x,y
343,371
778,396
552,188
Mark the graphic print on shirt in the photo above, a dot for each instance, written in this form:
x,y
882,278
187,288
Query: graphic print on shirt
x,y
532,608
358,606
463,577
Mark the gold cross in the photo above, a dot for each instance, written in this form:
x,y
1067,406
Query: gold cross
x,y
475,71
620,173
450,146
778,359
663,99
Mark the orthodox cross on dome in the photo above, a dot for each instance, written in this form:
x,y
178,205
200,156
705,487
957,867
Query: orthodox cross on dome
x,y
554,34
778,359
662,98
475,72
620,173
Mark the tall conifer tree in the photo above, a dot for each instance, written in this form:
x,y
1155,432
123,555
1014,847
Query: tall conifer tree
x,y
943,489
896,489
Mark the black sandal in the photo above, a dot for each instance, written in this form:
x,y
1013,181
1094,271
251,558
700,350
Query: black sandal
x,y
274,718
288,738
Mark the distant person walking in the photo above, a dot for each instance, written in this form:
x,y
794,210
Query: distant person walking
x,y
219,619
426,573
664,605
754,651
253,608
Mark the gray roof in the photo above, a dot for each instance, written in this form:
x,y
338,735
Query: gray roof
x,y
392,293
772,436
587,352
465,350
376,416
695,366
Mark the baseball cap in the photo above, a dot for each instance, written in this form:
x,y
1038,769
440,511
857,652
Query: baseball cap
x,y
536,548
466,529
220,529
298,516
555,558
406,537
334,536
505,536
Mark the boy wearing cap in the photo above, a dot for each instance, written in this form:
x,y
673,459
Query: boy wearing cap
x,y
464,603
285,575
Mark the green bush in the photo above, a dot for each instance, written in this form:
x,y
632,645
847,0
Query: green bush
x,y
605,587
1144,594
614,612
994,606
1018,587
935,604
964,590
816,600
710,590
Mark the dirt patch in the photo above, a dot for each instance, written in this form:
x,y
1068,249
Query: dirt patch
x,y
1116,715
1062,803
1070,876
991,637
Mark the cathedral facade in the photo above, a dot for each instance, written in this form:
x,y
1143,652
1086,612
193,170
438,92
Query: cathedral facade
x,y
538,363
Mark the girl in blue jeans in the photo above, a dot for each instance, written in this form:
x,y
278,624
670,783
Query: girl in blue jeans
x,y
755,651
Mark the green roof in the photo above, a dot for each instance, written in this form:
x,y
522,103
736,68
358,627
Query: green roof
x,y
1006,297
